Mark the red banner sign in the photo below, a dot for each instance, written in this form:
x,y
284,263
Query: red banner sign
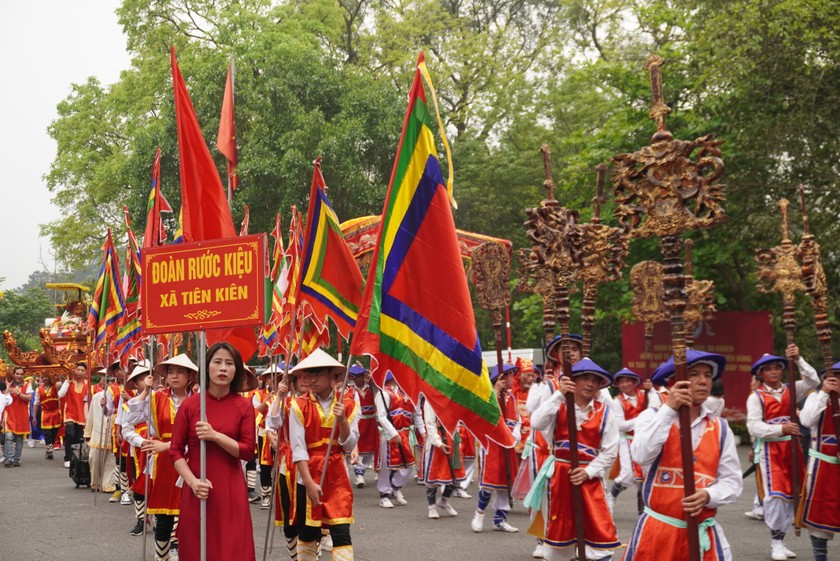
x,y
742,337
203,285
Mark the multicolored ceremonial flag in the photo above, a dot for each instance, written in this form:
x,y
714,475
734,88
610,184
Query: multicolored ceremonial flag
x,y
108,306
155,233
129,330
416,318
331,282
226,141
286,286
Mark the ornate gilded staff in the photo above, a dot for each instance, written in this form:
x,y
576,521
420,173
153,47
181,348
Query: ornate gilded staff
x,y
603,251
815,283
490,272
557,247
538,280
700,298
663,190
779,271
647,282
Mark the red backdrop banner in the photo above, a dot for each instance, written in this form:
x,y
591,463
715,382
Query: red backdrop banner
x,y
203,285
742,337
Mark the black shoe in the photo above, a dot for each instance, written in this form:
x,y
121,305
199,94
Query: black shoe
x,y
16,464
253,497
138,529
7,463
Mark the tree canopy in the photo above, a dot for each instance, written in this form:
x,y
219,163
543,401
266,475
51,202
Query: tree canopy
x,y
329,78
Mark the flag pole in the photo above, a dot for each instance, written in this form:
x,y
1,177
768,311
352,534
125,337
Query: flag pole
x,y
232,90
146,477
102,461
332,431
275,470
202,369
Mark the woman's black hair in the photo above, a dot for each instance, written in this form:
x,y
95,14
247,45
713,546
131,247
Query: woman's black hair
x,y
239,379
717,388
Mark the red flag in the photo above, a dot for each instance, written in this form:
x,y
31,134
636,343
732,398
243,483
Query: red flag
x,y
206,214
226,142
204,208
155,234
243,231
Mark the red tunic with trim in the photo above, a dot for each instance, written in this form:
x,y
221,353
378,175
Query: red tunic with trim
x,y
368,428
776,463
74,402
631,412
664,491
496,471
137,477
521,397
400,409
599,528
467,442
438,468
50,407
164,496
819,509
287,478
337,501
17,413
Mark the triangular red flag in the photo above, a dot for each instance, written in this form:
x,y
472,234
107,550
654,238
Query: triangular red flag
x,y
226,141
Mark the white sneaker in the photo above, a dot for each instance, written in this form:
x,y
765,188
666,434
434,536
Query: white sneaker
x,y
433,512
173,555
30,443
2,458
477,523
788,552
326,543
538,552
360,481
385,502
400,498
461,494
125,498
67,464
265,502
446,506
754,515
503,526
777,551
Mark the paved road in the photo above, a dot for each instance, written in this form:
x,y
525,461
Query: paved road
x,y
49,519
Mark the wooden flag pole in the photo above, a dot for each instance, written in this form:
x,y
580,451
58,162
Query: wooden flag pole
x,y
146,477
202,374
663,190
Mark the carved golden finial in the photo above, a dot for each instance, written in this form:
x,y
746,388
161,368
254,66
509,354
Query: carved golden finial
x,y
549,182
783,206
659,110
805,224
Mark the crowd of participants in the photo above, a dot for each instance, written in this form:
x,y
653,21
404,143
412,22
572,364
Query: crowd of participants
x,y
138,433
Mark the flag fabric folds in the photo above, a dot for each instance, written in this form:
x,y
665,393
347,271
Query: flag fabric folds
x,y
226,141
205,213
129,330
155,234
204,207
331,282
108,306
416,319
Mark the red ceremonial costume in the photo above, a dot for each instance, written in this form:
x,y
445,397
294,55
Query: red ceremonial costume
x,y
229,530
599,528
400,410
164,496
499,465
50,408
819,507
337,500
74,402
776,452
663,491
17,413
631,411
368,429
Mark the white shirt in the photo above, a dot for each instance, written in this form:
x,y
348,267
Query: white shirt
x,y
5,401
815,404
297,435
625,426
138,411
544,419
652,430
383,405
755,413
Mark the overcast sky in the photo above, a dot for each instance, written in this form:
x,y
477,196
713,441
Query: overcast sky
x,y
45,46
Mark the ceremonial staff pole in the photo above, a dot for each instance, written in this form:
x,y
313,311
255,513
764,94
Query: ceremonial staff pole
x,y
779,271
661,191
101,462
147,477
602,258
647,283
490,273
557,238
815,283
